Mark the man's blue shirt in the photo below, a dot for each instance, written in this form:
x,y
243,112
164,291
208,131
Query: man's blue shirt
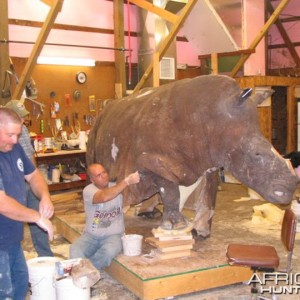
x,y
13,166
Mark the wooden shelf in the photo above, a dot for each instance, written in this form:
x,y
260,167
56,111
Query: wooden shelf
x,y
62,157
59,154
66,185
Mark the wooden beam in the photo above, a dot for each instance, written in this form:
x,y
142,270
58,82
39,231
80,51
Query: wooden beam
x,y
214,63
120,74
284,35
234,53
4,52
260,36
291,143
156,69
290,19
29,23
162,48
297,44
170,17
48,2
37,48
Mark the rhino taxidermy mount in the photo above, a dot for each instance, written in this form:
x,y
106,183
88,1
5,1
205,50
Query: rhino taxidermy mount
x,y
176,133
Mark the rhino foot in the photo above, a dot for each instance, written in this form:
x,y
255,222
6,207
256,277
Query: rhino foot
x,y
198,236
156,213
173,221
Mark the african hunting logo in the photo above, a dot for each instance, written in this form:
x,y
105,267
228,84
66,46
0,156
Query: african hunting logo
x,y
276,283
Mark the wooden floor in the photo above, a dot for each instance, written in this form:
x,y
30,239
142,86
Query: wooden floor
x,y
150,278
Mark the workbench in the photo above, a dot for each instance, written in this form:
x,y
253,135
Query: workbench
x,y
62,157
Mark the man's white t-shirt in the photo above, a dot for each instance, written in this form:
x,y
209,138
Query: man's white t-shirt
x,y
103,219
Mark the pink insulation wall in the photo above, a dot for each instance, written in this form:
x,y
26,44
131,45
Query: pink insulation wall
x,y
88,13
281,57
253,10
99,14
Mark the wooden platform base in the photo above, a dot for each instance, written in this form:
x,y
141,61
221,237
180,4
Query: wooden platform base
x,y
150,278
178,283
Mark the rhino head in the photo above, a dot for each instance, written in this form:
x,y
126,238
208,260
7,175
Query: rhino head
x,y
251,158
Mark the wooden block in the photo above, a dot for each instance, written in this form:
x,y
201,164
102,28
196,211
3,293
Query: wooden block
x,y
67,203
175,238
175,248
160,232
69,232
174,254
155,242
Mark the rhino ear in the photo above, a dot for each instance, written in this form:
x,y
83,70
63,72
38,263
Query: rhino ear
x,y
262,95
244,95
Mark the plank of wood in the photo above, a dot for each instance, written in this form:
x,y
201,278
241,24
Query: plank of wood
x,y
176,238
155,242
170,286
175,248
174,254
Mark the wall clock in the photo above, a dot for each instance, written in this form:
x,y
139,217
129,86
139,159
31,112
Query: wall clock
x,y
81,77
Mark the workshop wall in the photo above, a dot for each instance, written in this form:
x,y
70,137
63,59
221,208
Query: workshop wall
x,y
58,85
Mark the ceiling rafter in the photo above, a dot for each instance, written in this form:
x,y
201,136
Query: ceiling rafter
x,y
38,46
165,43
260,36
170,17
284,36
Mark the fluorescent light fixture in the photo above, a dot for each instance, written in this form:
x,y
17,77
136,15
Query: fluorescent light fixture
x,y
66,61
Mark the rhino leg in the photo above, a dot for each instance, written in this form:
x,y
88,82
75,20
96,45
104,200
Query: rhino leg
x,y
205,204
172,218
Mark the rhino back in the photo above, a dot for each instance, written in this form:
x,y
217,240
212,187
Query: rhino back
x,y
175,124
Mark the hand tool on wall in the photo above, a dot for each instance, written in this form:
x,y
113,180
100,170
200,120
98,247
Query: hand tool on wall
x,y
14,73
6,93
67,99
66,121
73,119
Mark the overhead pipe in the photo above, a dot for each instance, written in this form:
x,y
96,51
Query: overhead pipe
x,y
66,45
129,43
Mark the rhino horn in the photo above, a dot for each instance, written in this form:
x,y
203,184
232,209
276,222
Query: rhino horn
x,y
259,97
244,95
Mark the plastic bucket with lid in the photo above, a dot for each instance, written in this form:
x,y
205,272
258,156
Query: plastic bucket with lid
x,y
296,209
66,290
132,244
41,272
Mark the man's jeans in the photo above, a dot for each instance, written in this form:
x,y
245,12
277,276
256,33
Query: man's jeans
x,y
38,235
100,250
14,274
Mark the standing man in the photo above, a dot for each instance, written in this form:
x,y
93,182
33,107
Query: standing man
x,y
39,237
103,203
14,168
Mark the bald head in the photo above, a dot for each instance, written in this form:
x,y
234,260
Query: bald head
x,y
98,175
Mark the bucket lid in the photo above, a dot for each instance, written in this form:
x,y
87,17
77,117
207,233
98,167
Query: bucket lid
x,y
42,262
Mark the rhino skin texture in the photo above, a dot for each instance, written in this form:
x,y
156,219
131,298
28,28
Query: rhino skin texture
x,y
178,132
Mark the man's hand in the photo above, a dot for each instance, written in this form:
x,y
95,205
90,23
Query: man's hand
x,y
132,178
46,225
46,208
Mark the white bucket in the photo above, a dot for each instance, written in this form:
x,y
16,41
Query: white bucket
x,y
82,140
132,244
66,290
41,278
